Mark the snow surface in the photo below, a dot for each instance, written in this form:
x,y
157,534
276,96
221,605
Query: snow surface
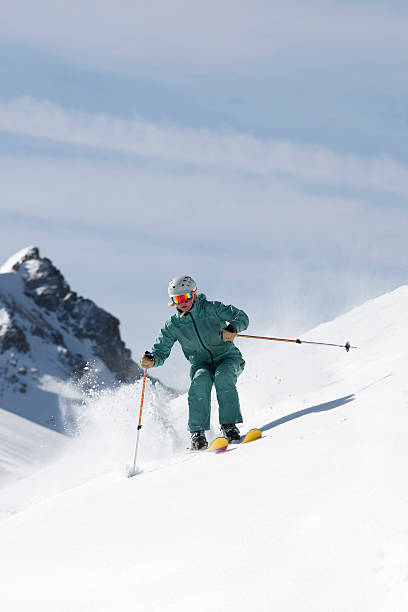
x,y
313,517
4,319
15,259
24,446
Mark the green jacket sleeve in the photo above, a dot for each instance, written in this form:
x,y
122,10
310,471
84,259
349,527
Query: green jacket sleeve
x,y
238,318
163,344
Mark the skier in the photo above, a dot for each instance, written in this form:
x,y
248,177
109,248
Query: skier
x,y
206,331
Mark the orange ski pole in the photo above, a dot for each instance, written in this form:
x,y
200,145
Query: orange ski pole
x,y
133,471
267,338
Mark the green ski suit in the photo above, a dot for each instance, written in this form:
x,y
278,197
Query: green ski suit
x,y
213,361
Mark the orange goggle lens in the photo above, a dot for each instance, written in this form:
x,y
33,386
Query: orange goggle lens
x,y
182,299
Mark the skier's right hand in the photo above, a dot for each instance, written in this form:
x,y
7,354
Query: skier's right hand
x,y
147,360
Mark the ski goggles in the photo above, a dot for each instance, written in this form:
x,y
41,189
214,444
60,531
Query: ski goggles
x,y
182,299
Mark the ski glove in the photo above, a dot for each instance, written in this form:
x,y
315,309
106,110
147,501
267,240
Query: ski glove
x,y
147,361
228,333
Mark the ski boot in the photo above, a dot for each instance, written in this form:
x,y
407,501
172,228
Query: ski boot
x,y
231,432
198,440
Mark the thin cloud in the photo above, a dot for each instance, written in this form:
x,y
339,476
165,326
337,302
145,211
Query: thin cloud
x,y
268,217
222,151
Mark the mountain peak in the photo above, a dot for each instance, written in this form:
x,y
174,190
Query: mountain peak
x,y
43,281
48,329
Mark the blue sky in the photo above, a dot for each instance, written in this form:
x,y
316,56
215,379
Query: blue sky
x,y
259,146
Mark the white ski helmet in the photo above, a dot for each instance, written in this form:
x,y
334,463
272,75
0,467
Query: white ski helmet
x,y
180,285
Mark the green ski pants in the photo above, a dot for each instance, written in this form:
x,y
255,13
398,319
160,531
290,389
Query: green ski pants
x,y
223,375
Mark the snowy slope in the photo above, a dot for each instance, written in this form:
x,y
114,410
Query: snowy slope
x,y
24,446
313,517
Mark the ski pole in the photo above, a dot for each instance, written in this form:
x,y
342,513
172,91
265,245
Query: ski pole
x,y
347,346
133,471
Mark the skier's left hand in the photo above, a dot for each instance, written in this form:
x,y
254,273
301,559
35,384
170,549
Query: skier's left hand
x,y
147,360
228,333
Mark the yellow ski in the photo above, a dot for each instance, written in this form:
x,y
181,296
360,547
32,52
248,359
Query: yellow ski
x,y
218,445
253,434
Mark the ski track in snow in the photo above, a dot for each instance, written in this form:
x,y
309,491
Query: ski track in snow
x,y
311,518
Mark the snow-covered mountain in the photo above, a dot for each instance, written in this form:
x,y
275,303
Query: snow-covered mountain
x,y
313,517
50,335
